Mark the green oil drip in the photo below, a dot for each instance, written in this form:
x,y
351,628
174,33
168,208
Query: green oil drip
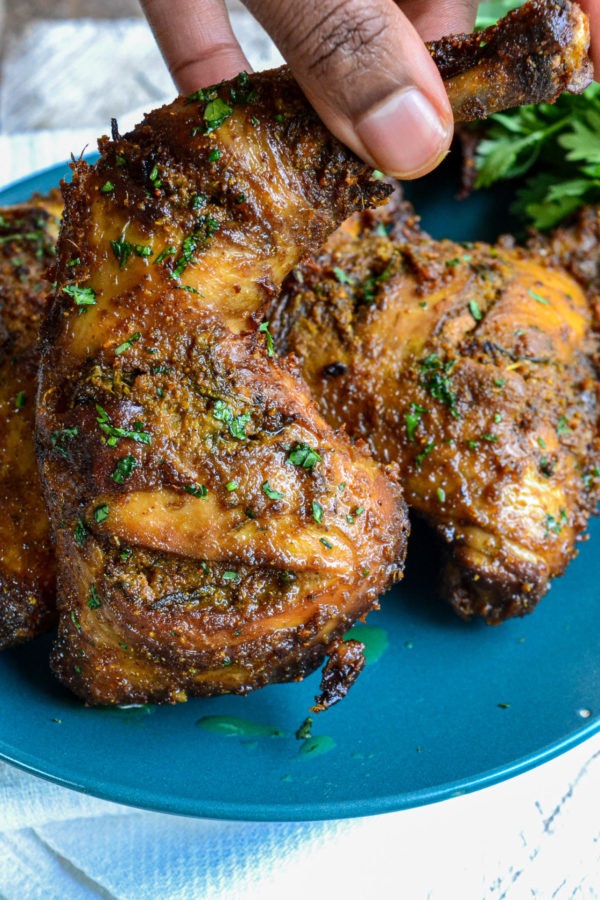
x,y
373,637
315,746
232,726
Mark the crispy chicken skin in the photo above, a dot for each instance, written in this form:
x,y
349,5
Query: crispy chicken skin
x,y
531,55
27,238
473,368
213,533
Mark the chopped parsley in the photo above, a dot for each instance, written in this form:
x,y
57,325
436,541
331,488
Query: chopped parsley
x,y
107,187
126,345
499,382
199,490
80,532
205,228
75,621
101,513
232,485
237,424
317,511
265,330
475,310
215,113
441,494
271,493
424,452
214,155
21,400
230,576
341,276
490,438
537,297
242,93
412,418
154,177
546,466
435,378
555,525
326,543
83,296
136,434
168,251
305,730
304,456
124,469
123,249
93,600
562,427
59,439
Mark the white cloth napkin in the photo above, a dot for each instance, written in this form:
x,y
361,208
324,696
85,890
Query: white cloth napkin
x,y
537,836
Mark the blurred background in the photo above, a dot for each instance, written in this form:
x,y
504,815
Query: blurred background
x,y
68,66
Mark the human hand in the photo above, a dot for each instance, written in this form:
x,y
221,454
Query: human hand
x,y
361,63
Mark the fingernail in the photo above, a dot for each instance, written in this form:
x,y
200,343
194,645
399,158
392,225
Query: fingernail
x,y
404,133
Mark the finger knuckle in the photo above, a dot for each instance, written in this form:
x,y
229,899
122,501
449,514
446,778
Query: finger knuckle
x,y
345,36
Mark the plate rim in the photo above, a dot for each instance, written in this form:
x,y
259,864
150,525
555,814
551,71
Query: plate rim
x,y
192,807
141,798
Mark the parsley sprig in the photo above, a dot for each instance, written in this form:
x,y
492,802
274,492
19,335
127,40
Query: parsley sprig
x,y
557,146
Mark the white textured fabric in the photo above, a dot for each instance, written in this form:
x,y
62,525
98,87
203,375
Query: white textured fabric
x,y
537,836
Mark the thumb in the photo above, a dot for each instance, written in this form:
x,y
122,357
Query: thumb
x,y
369,75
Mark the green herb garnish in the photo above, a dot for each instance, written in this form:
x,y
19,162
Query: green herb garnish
x,y
424,452
435,378
126,345
304,456
60,438
93,600
317,511
101,513
538,298
412,419
196,490
136,434
80,532
475,311
265,330
83,296
237,424
557,146
271,493
215,113
124,469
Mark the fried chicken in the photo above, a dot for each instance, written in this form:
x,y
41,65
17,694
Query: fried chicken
x,y
213,533
27,239
472,366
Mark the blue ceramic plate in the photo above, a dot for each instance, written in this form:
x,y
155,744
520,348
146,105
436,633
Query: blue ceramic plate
x,y
447,707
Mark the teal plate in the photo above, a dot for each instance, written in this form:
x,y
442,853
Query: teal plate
x,y
445,708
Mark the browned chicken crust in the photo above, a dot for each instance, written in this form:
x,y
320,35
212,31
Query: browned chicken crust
x,y
472,366
213,533
27,604
532,55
